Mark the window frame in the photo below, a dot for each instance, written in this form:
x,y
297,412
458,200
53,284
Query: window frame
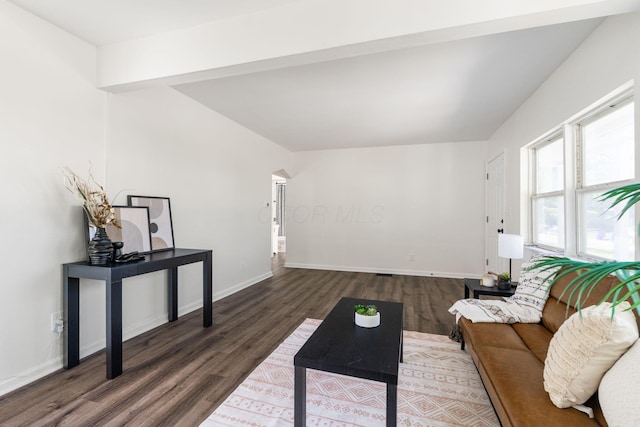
x,y
553,137
570,132
582,189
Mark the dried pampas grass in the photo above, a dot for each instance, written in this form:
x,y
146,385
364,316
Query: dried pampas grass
x,y
94,199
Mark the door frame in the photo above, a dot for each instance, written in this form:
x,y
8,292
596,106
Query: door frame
x,y
494,222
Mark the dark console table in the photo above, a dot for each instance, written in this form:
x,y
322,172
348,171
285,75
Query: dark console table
x,y
112,275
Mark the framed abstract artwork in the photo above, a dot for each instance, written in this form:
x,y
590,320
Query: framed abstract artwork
x,y
134,232
160,224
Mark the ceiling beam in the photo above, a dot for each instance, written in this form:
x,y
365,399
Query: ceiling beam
x,y
309,31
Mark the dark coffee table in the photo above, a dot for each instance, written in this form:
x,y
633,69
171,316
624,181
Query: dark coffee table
x,y
342,347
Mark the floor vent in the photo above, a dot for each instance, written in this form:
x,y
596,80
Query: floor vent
x,y
384,274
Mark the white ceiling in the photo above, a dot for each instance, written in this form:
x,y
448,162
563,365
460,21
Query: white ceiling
x,y
448,92
102,22
460,90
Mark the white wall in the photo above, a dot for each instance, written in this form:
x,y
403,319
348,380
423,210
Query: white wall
x,y
370,209
51,115
216,173
606,60
151,142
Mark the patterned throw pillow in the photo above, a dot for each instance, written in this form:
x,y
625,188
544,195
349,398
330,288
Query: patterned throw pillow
x,y
585,346
533,290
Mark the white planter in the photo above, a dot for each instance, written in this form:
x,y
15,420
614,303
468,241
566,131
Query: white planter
x,y
367,321
488,282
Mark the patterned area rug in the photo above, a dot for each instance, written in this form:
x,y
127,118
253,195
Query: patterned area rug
x,y
438,386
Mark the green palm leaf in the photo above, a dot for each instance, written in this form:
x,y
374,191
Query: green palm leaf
x,y
629,194
589,275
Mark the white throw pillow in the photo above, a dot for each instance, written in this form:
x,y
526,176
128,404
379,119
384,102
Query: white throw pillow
x,y
533,290
619,390
585,346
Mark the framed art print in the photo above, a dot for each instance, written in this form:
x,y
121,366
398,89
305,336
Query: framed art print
x,y
134,232
160,224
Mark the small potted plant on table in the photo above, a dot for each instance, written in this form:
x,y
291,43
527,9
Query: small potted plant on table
x,y
367,316
504,281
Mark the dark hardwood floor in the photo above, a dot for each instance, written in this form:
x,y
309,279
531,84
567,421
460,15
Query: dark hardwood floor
x,y
178,373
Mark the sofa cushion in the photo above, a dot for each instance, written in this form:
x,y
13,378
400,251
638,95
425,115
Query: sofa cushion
x,y
536,337
582,350
490,334
555,313
513,379
533,289
595,295
561,304
620,388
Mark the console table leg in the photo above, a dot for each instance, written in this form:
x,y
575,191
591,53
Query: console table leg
x,y
71,320
392,404
300,397
114,328
207,291
172,293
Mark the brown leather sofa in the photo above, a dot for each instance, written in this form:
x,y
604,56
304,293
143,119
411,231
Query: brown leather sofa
x,y
510,360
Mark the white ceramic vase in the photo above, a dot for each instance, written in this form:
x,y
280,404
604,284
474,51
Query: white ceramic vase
x,y
367,321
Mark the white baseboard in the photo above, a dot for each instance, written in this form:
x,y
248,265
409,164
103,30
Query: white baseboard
x,y
148,324
16,381
241,286
52,365
401,272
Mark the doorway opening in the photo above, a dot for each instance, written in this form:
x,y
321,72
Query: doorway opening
x,y
278,215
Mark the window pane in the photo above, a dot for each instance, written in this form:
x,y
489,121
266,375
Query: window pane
x,y
608,147
549,167
601,234
548,215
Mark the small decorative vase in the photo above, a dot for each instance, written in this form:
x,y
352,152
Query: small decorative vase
x,y
367,321
117,249
100,248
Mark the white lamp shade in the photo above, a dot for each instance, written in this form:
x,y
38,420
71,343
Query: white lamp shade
x,y
510,246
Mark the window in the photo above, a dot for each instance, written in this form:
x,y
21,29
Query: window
x,y
548,200
606,150
569,216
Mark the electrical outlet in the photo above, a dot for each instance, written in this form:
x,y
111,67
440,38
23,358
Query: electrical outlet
x,y
57,322
412,257
59,327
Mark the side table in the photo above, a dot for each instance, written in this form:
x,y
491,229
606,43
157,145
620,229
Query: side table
x,y
474,286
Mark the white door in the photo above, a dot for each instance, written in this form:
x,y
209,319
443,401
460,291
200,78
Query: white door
x,y
494,214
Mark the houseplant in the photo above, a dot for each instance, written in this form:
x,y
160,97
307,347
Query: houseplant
x,y
504,281
589,274
367,316
98,210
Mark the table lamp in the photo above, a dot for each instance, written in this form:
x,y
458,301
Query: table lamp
x,y
510,246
